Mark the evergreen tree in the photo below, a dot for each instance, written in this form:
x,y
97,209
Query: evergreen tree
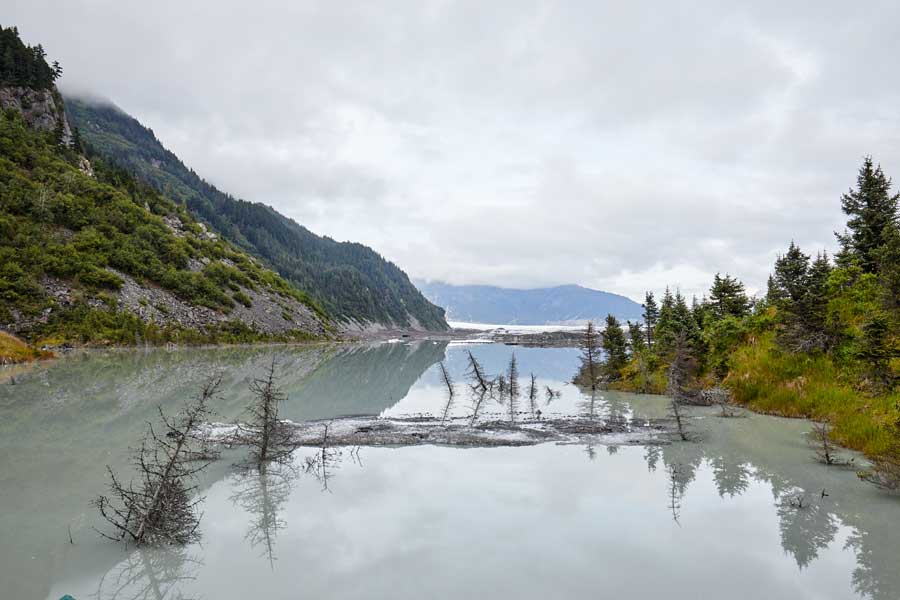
x,y
774,294
686,325
651,316
800,291
636,338
888,257
665,330
22,65
876,351
727,297
789,280
700,311
871,209
589,374
815,302
616,348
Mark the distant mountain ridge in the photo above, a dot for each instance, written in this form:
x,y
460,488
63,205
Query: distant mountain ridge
x,y
355,285
565,304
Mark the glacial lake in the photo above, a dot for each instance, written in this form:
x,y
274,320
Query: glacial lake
x,y
711,518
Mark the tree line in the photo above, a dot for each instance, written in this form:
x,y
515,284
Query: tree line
x,y
823,342
24,66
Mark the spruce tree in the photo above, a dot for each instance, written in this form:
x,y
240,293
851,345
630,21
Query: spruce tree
x,y
664,332
589,373
651,316
870,208
876,351
888,257
636,338
616,348
727,297
815,302
800,291
686,325
790,275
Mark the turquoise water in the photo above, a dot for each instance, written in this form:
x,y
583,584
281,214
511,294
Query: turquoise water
x,y
706,519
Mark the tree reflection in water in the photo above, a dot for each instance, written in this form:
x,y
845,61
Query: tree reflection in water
x,y
262,492
150,574
806,527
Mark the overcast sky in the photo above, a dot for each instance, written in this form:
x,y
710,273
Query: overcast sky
x,y
512,143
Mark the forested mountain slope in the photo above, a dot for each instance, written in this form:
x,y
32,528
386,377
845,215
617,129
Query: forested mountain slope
x,y
90,254
353,282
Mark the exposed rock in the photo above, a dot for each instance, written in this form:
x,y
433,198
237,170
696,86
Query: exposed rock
x,y
269,313
84,165
41,109
174,224
210,235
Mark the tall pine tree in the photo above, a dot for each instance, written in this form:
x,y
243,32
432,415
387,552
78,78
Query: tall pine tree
x,y
871,209
616,348
728,298
888,257
636,338
651,316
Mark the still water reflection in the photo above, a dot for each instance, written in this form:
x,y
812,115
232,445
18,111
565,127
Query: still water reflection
x,y
714,518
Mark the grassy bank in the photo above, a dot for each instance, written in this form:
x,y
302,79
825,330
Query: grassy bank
x,y
764,378
13,350
768,380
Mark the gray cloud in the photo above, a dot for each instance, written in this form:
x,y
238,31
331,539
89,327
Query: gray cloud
x,y
512,142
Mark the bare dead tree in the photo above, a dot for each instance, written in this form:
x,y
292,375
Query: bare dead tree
x,y
819,438
532,395
551,394
162,506
512,375
885,470
500,382
676,411
721,397
476,374
477,403
269,438
445,377
678,373
320,464
448,405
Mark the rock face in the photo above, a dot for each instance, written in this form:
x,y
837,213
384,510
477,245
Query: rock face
x,y
41,109
269,313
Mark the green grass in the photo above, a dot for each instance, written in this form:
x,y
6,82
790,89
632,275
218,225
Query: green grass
x,y
14,350
768,380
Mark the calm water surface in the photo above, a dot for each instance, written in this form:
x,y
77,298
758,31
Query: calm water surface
x,y
709,519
